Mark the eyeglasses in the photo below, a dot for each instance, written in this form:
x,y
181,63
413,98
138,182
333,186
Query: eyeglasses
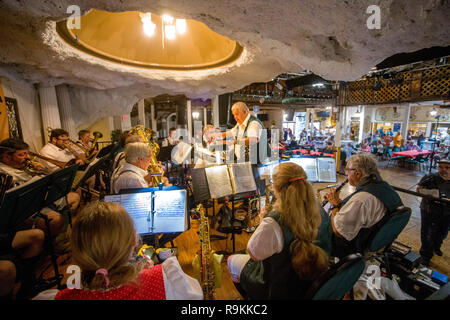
x,y
349,169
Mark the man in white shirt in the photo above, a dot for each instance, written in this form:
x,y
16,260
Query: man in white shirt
x,y
133,173
353,218
246,136
59,149
172,139
14,158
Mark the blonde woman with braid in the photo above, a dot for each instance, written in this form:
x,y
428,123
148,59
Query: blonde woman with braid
x,y
282,259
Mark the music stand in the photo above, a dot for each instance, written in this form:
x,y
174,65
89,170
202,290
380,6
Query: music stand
x,y
25,201
60,183
21,203
165,153
150,217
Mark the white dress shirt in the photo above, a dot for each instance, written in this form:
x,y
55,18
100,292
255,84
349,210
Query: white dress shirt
x,y
363,210
53,152
253,131
129,177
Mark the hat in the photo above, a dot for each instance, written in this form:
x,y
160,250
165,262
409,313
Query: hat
x,y
444,161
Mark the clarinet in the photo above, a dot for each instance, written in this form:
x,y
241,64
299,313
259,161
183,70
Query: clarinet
x,y
337,189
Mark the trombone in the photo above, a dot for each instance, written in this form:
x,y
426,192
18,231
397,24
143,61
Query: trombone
x,y
60,164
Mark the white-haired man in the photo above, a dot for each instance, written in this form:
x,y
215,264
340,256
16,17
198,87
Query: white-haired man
x,y
246,133
354,218
133,173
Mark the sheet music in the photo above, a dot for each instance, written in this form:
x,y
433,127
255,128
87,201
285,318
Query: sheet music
x,y
219,181
326,168
181,152
170,211
310,167
200,185
138,206
242,177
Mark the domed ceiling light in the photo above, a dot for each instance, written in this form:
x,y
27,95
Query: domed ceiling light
x,y
138,39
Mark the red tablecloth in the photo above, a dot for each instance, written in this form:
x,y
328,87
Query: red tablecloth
x,y
410,153
313,153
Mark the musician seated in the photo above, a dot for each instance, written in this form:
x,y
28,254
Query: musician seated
x,y
84,141
119,160
171,140
353,218
18,251
14,160
133,174
111,270
282,245
59,149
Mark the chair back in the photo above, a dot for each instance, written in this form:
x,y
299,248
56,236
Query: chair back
x,y
388,231
337,280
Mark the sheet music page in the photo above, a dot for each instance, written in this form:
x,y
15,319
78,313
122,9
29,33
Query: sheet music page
x,y
138,206
327,169
170,211
200,185
181,152
242,177
310,167
219,181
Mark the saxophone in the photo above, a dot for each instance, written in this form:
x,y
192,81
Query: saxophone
x,y
146,135
206,261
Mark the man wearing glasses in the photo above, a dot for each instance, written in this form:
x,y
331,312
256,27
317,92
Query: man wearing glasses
x,y
59,149
353,218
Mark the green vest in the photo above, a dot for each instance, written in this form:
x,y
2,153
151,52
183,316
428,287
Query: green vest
x,y
274,278
391,200
263,139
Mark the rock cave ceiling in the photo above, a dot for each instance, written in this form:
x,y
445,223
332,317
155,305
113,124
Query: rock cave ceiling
x,y
328,37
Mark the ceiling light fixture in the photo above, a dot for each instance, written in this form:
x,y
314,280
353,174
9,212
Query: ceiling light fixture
x,y
147,24
180,24
169,26
195,115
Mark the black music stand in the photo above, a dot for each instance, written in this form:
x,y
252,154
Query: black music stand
x,y
25,201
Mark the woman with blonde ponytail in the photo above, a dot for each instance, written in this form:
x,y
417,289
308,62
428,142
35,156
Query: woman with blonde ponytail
x,y
103,244
282,258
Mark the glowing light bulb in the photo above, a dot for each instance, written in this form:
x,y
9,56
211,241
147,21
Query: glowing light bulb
x,y
180,25
148,25
167,19
170,31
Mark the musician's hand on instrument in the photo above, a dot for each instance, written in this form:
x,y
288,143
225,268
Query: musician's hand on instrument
x,y
80,162
38,166
148,262
148,177
73,200
333,197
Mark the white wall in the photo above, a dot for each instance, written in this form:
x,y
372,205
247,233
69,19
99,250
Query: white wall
x,y
29,111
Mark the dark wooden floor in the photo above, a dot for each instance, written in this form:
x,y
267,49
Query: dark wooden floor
x,y
188,242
